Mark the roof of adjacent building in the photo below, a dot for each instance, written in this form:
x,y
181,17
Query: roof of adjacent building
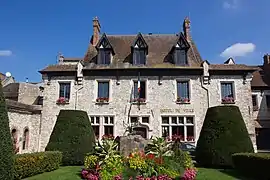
x,y
261,77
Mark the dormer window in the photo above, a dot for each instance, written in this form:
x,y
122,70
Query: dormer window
x,y
105,51
180,51
139,50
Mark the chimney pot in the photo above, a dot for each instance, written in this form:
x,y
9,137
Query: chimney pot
x,y
266,59
96,31
186,28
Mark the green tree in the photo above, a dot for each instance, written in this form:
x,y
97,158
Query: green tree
x,y
6,147
223,133
73,136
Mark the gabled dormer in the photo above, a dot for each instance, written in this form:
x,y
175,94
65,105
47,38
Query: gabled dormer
x,y
179,51
105,51
139,50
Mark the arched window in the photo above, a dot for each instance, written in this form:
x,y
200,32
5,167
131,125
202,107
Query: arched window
x,y
25,139
14,136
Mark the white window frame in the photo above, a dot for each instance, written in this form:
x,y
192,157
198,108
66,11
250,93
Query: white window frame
x,y
71,88
102,123
233,90
189,86
96,89
133,80
185,125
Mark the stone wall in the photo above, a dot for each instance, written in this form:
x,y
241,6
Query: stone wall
x,y
28,93
160,102
21,120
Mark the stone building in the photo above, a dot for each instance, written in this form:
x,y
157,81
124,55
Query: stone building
x,y
261,103
157,83
24,105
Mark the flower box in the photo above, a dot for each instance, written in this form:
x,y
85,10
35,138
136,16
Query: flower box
x,y
62,100
139,100
102,100
182,100
228,100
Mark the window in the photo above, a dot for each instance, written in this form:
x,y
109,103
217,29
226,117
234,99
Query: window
x,y
95,123
108,125
183,92
103,92
104,56
64,91
25,139
254,102
268,101
227,94
140,93
180,57
14,137
134,120
178,127
145,119
139,56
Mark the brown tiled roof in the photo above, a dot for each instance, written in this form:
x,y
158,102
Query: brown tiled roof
x,y
159,47
59,67
261,77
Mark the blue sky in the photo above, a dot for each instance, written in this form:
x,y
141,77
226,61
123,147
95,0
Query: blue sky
x,y
32,32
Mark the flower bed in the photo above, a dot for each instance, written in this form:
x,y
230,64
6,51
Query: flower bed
x,y
159,161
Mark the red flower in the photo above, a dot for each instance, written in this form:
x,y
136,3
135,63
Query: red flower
x,y
150,156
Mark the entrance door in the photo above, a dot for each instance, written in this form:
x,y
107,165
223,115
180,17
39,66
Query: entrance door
x,y
141,131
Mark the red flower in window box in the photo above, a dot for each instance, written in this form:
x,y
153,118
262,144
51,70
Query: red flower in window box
x,y
62,100
190,138
182,100
102,99
109,136
228,100
142,100
176,137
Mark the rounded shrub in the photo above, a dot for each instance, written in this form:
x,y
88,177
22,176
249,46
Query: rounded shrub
x,y
223,133
6,147
73,136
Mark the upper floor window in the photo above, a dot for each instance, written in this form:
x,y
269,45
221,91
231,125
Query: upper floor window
x,y
180,51
105,51
183,94
254,102
139,93
267,101
139,49
227,92
64,91
103,91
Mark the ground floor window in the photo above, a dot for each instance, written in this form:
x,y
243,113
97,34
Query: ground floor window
x,y
178,126
102,125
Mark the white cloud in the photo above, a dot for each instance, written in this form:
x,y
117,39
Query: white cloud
x,y
5,53
230,4
238,50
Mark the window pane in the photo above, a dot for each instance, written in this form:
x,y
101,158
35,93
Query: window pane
x,y
268,101
142,56
190,133
139,56
189,120
183,89
106,119
135,91
111,120
174,120
107,57
180,57
134,119
165,131
226,90
181,120
178,130
103,89
142,91
96,131
92,119
108,130
97,120
145,119
254,100
165,120
64,90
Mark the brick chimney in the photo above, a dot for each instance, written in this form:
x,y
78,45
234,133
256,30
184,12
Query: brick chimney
x,y
186,29
96,31
266,59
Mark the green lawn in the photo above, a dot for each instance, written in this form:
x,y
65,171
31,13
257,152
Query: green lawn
x,y
73,173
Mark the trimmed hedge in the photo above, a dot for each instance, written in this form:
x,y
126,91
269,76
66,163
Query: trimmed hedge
x,y
223,133
27,165
73,136
255,165
6,147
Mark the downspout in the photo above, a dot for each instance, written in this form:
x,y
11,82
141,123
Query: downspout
x,y
76,97
40,126
207,93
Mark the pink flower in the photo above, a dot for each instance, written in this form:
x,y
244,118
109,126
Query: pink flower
x,y
189,174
